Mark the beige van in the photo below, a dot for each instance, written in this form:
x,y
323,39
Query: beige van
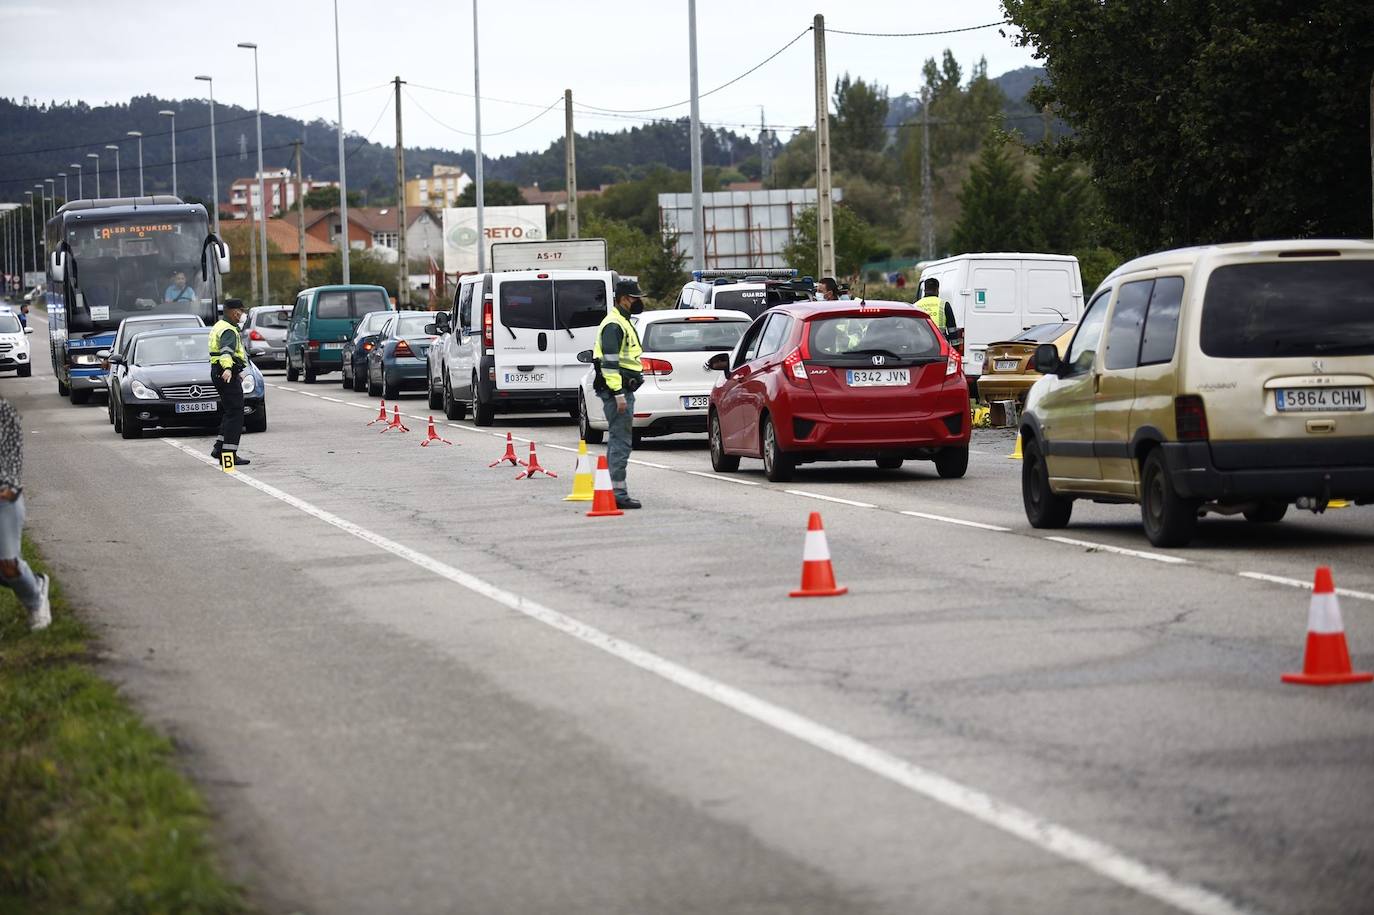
x,y
1231,378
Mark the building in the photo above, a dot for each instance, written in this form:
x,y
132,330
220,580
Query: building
x,y
375,227
441,189
280,186
554,201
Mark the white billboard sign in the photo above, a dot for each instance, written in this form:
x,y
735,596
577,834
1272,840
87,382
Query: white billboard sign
x,y
517,223
552,253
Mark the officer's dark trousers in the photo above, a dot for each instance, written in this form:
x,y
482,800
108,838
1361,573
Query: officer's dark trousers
x,y
230,411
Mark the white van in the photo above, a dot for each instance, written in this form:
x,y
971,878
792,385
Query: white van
x,y
996,296
509,343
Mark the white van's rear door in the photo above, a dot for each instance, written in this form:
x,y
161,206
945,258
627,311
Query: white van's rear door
x,y
994,309
579,307
1050,293
524,335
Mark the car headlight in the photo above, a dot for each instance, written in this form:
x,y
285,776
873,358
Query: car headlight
x,y
142,391
84,359
248,384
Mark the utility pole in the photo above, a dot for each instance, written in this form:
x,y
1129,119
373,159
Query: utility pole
x,y
765,149
825,208
1371,137
698,213
343,172
477,102
569,147
300,214
927,188
252,253
402,265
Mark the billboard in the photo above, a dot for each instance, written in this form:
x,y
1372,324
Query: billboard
x,y
743,228
517,223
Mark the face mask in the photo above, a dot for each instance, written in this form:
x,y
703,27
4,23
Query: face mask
x,y
636,306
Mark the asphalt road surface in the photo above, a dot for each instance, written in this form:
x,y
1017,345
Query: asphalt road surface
x,y
409,683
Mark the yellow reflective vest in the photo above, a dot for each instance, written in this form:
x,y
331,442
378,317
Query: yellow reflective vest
x,y
932,306
626,359
221,358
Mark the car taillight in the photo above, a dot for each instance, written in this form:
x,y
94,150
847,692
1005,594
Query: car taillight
x,y
656,366
403,349
254,335
488,328
312,344
953,364
794,366
367,347
1190,418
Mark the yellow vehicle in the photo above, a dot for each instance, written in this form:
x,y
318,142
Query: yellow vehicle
x,y
1231,378
1009,370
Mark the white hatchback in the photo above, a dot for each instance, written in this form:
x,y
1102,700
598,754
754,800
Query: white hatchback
x,y
14,345
677,384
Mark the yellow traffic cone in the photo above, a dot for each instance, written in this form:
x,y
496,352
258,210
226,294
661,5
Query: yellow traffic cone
x,y
584,477
1338,503
1016,452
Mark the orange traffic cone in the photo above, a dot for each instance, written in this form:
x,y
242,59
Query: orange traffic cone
x,y
1327,662
395,420
381,415
509,455
818,577
533,467
433,436
603,499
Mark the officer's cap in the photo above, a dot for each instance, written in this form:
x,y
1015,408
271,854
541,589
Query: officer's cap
x,y
630,288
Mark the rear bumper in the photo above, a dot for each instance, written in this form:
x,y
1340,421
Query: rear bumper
x,y
995,387
816,438
1337,468
325,360
88,380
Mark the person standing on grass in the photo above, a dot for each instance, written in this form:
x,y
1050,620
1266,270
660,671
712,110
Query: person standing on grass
x,y
31,589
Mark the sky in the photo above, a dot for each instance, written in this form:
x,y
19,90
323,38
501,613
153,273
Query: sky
x,y
613,54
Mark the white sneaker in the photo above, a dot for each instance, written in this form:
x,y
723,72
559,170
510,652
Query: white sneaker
x,y
42,617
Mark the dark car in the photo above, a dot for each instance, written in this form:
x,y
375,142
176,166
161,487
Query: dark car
x,y
164,380
401,357
840,381
359,345
265,335
128,329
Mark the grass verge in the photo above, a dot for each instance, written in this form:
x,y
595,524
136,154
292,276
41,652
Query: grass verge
x,y
94,818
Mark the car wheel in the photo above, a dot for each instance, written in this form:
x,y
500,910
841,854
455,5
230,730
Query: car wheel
x,y
292,373
345,377
310,374
359,382
25,371
952,463
1269,511
62,388
373,390
720,461
436,398
131,427
1044,509
1169,519
118,419
889,463
257,422
483,414
110,408
585,431
777,464
391,388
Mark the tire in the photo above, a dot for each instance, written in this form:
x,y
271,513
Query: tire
x,y
483,414
1169,519
720,461
777,464
25,371
453,409
585,430
1044,508
345,378
310,375
359,383
1269,511
889,463
257,422
62,388
118,419
292,373
373,390
80,395
390,389
436,401
131,426
952,463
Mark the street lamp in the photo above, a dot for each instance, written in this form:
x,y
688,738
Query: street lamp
x,y
173,116
33,234
51,202
119,190
214,156
96,157
262,183
66,195
80,192
138,135
343,171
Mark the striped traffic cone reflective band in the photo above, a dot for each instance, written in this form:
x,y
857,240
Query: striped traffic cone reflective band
x,y
396,420
1327,662
818,576
509,455
603,498
381,414
433,436
532,467
584,477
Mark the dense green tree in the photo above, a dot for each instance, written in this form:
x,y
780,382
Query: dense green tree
x,y
495,193
363,267
629,250
1057,219
664,273
327,198
855,242
860,116
991,201
795,166
1212,122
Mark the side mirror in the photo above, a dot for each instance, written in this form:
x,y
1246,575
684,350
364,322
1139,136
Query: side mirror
x,y
117,360
58,266
585,357
433,329
221,257
1047,359
28,330
442,321
103,355
720,362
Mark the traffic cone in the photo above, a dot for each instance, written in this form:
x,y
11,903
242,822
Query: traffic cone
x,y
532,467
433,436
1327,661
509,455
818,576
1338,503
381,415
584,477
603,498
395,420
1016,452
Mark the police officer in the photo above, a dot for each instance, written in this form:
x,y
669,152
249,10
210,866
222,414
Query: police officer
x,y
940,312
227,362
618,376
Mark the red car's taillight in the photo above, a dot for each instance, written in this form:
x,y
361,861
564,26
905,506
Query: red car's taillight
x,y
656,366
1190,418
403,349
953,364
488,323
254,335
794,366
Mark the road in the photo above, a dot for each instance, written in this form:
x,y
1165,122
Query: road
x,y
409,683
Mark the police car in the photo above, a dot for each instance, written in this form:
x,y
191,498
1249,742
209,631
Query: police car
x,y
14,344
752,291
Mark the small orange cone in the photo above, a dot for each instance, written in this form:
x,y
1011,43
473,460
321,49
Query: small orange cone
x,y
433,436
603,499
1327,662
533,467
509,455
818,576
395,420
381,415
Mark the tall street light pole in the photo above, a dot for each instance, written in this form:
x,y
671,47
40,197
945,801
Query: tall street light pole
x,y
119,190
173,116
51,201
214,157
80,191
66,195
262,182
33,235
138,135
698,212
477,101
96,157
343,171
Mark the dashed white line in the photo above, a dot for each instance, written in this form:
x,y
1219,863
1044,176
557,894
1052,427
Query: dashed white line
x,y
1120,550
332,399
650,464
947,520
815,495
723,479
1305,585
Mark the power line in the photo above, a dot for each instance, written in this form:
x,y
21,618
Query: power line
x,y
485,98
467,133
154,165
967,28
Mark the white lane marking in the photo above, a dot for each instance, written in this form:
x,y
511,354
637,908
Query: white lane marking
x,y
978,524
332,399
815,495
1041,833
715,476
650,464
1120,550
1305,585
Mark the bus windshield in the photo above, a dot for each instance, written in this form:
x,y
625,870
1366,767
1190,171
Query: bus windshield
x,y
139,265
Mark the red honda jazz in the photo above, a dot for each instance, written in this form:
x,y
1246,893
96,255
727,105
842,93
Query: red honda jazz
x,y
840,381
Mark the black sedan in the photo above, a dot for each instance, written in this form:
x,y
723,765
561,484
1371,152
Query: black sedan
x,y
356,350
165,381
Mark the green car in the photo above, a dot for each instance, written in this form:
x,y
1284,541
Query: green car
x,y
322,322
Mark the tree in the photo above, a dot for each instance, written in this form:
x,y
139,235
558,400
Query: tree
x,y
495,193
628,250
860,117
363,267
663,274
1213,122
991,201
855,242
1057,208
327,198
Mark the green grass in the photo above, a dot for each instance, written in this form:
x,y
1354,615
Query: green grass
x,y
94,817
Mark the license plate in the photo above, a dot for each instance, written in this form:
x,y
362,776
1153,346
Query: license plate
x,y
1319,400
1006,365
331,346
878,378
696,402
205,406
524,377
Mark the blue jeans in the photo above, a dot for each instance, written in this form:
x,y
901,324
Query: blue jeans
x,y
24,584
620,437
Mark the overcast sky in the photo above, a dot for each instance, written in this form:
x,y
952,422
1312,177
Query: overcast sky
x,y
618,54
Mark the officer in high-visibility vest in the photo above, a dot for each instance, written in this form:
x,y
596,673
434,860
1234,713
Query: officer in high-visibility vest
x,y
618,376
940,312
227,362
